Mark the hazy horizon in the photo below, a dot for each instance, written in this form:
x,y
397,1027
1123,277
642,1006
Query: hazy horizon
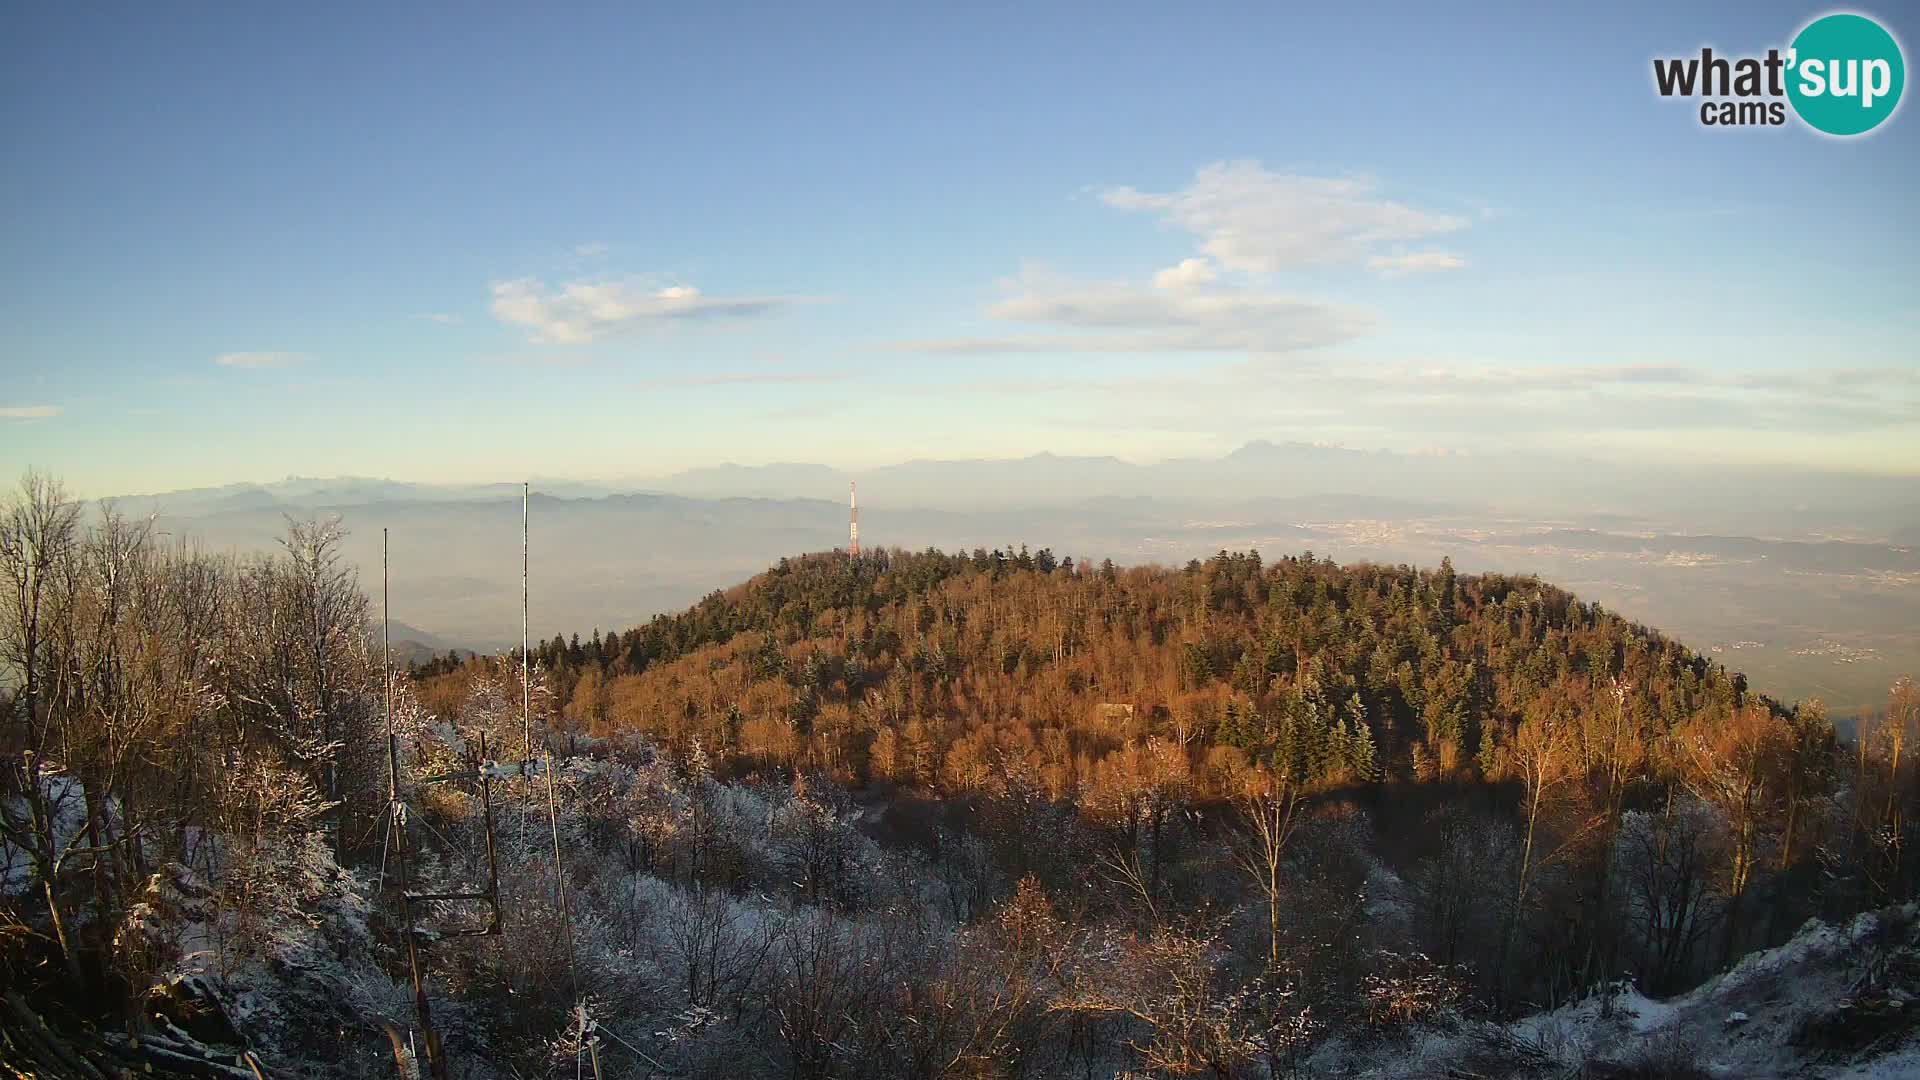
x,y
594,248
1807,600
780,474
241,476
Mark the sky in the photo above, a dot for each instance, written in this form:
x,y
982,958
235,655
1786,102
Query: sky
x,y
467,243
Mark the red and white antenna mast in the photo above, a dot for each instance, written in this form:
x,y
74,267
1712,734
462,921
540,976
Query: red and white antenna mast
x,y
853,525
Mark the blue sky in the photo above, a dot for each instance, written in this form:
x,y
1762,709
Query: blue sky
x,y
449,243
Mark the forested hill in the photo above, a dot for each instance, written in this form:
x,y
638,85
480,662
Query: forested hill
x,y
983,815
934,670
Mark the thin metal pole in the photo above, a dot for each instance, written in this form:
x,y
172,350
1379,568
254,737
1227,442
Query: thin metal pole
x,y
493,868
546,755
386,674
436,1062
526,670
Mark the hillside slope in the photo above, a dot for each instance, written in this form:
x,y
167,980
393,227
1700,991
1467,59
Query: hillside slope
x,y
1344,672
1836,1002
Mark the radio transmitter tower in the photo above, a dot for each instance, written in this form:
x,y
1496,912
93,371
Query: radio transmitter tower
x,y
853,524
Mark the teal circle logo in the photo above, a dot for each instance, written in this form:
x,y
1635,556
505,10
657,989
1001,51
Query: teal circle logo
x,y
1845,74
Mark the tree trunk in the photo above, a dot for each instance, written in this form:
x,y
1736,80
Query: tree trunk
x,y
60,926
1273,926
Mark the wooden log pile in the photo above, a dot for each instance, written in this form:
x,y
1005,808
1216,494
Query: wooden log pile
x,y
31,1048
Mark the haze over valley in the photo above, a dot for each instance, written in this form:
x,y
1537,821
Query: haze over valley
x,y
1816,597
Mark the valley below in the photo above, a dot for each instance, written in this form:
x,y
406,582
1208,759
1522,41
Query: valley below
x,y
1804,610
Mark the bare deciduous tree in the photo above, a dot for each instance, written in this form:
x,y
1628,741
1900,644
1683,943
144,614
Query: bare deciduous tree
x,y
1269,813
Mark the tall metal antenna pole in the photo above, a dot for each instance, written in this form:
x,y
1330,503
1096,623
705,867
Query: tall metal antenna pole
x,y
386,674
553,796
853,525
423,1013
526,670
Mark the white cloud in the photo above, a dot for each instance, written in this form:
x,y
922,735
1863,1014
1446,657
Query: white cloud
x,y
1414,262
1630,396
744,378
441,317
1185,275
1184,317
583,311
1250,223
258,359
28,412
1474,405
1253,220
552,360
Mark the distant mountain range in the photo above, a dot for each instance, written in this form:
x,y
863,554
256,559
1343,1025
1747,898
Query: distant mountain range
x,y
1702,496
412,645
1685,496
306,493
1823,571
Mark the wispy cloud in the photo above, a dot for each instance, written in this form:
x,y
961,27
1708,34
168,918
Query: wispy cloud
x,y
256,360
1182,312
28,412
1466,403
1251,223
743,378
1187,274
816,411
1414,262
1889,386
441,317
587,310
1250,219
588,251
547,360
1470,398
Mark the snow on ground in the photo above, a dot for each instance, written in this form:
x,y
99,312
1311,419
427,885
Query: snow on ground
x,y
1903,1064
66,802
1833,1003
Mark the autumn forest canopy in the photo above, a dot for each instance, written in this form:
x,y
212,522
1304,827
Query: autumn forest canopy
x,y
989,813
